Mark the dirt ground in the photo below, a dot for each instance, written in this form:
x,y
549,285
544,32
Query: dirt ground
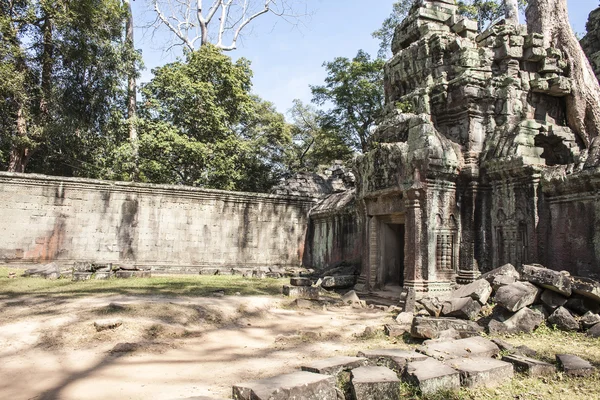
x,y
182,347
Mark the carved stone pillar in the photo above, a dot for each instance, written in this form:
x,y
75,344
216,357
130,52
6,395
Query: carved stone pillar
x,y
468,268
363,279
414,245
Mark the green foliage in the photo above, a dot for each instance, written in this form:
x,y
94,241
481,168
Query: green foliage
x,y
385,34
355,89
201,126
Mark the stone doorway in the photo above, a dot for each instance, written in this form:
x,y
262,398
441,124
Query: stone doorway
x,y
391,272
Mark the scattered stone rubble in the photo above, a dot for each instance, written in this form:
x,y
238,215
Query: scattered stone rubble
x,y
312,285
334,179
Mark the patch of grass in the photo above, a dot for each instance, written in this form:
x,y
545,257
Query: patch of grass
x,y
176,285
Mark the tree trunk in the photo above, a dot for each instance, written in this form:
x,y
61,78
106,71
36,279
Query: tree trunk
x,y
131,96
550,18
19,154
511,9
47,61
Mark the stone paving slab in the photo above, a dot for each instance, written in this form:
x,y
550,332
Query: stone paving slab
x,y
431,376
482,371
334,365
574,366
375,383
530,366
470,347
395,359
297,385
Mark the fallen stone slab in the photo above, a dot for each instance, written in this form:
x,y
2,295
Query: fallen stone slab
x,y
586,287
209,271
395,359
431,376
83,266
479,290
482,371
562,318
338,281
103,275
469,347
517,295
405,318
106,324
594,331
448,334
582,305
524,320
305,292
432,305
396,330
430,327
300,281
588,320
297,385
47,271
552,299
463,308
334,365
505,270
574,366
82,276
375,383
548,279
529,366
132,274
350,298
502,280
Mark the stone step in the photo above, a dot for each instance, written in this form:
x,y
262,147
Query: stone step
x,y
530,366
482,371
375,383
470,347
431,376
297,385
334,365
574,366
395,359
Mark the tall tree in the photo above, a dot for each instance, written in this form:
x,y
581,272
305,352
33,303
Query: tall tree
x,y
194,24
550,18
66,63
131,93
355,89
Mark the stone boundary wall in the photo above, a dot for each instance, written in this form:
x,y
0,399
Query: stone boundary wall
x,y
172,228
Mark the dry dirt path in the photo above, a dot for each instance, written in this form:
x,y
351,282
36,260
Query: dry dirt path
x,y
186,347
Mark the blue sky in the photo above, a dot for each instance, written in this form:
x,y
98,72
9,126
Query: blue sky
x,y
287,59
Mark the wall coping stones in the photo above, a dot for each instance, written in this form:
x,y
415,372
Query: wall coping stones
x,y
482,371
300,385
530,366
470,347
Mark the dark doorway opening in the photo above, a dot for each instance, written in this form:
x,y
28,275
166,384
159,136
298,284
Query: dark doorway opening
x,y
393,254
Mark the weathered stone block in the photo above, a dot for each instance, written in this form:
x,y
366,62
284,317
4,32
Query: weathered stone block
x,y
396,330
103,275
106,324
586,287
479,290
530,366
524,320
574,366
582,305
547,278
297,385
430,328
505,270
464,308
306,292
432,305
300,281
334,365
338,281
594,331
589,319
516,296
82,276
563,320
48,271
375,383
502,280
482,371
469,347
133,274
431,376
552,299
395,359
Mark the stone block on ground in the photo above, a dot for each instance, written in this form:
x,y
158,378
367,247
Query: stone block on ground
x,y
48,271
479,290
552,299
430,327
396,330
305,292
106,324
582,305
524,320
448,334
82,266
103,275
517,295
505,270
133,274
502,280
82,276
548,279
334,365
469,347
431,376
530,366
395,359
594,331
300,281
375,383
432,305
350,298
588,320
297,385
574,366
338,281
482,371
463,308
563,320
586,287
405,318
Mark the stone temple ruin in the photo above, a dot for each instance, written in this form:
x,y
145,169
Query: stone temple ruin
x,y
472,167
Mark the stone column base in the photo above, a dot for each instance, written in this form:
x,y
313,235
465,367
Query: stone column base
x,y
424,289
465,277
